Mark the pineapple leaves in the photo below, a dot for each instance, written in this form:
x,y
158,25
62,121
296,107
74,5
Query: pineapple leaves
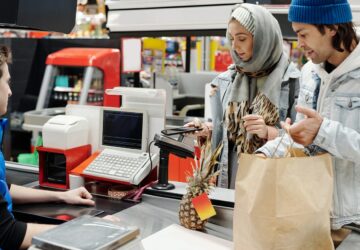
x,y
204,174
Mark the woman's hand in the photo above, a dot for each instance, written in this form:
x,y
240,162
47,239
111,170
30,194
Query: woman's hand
x,y
255,124
206,127
78,196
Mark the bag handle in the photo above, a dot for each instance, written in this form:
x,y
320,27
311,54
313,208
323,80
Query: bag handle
x,y
287,131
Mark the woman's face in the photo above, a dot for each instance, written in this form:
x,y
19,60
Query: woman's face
x,y
241,40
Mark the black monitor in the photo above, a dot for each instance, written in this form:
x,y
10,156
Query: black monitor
x,y
123,129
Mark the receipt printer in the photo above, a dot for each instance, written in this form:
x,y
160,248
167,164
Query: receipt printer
x,y
65,132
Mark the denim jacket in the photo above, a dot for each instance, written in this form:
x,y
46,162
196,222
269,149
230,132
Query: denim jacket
x,y
338,102
219,102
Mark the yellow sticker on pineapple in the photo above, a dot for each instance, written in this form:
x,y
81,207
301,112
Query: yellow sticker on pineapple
x,y
203,206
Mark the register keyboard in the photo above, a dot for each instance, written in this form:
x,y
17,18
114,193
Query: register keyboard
x,y
121,166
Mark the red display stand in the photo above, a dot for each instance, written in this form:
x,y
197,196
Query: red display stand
x,y
107,60
56,164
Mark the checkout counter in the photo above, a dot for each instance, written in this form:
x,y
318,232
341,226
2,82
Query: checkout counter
x,y
158,209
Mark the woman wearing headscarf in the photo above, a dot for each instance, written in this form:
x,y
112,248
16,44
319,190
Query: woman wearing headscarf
x,y
259,90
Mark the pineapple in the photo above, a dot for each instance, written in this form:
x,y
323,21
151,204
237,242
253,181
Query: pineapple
x,y
202,181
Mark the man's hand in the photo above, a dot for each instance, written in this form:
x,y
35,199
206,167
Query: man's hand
x,y
255,124
305,131
79,196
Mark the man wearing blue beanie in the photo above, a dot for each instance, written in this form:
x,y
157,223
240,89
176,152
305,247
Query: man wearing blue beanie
x,y
328,118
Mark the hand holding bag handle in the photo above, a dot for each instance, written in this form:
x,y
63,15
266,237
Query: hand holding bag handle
x,y
287,130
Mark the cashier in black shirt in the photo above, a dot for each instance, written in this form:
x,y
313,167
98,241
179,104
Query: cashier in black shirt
x,y
15,234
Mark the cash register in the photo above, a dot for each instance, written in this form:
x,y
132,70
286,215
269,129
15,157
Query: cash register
x,y
123,140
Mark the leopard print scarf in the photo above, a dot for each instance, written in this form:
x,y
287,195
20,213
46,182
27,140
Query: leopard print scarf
x,y
235,125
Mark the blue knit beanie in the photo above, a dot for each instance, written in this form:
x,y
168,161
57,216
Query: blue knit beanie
x,y
320,11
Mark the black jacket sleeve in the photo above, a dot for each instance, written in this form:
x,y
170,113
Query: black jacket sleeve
x,y
12,232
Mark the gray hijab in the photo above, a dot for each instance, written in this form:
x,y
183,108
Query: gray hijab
x,y
267,55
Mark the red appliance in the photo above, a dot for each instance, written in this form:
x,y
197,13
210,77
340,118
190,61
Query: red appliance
x,y
56,164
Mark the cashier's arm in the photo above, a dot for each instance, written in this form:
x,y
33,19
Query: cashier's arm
x,y
79,196
32,230
22,195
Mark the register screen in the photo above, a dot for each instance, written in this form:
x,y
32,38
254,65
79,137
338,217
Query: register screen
x,y
122,129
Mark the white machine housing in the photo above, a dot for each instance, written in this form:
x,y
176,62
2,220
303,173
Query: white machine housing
x,y
150,100
65,132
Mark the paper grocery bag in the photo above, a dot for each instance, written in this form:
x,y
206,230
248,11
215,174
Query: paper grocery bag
x,y
283,203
